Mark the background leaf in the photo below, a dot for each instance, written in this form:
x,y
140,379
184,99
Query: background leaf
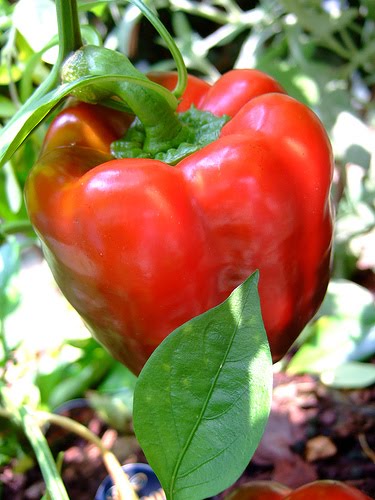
x,y
30,13
9,267
350,375
344,330
211,377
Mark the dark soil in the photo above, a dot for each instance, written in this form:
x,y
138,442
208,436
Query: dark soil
x,y
313,433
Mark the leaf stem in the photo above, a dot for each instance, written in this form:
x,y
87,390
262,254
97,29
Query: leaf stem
x,y
7,353
68,28
69,40
168,39
156,111
124,488
7,55
43,454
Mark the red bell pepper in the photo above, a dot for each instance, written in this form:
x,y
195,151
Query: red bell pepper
x,y
259,490
327,490
317,490
139,247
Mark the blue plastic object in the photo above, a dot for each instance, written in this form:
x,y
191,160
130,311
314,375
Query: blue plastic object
x,y
141,476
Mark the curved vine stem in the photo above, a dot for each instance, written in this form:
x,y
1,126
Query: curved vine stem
x,y
176,54
124,489
119,478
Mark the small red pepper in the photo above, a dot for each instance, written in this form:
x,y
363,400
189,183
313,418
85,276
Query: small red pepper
x,y
259,490
317,490
139,247
327,490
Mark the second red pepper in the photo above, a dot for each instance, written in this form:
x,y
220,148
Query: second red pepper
x,y
139,247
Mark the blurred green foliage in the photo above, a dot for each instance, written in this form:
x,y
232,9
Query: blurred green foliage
x,y
322,52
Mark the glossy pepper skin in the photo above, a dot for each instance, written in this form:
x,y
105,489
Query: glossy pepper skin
x,y
317,490
139,247
259,490
327,490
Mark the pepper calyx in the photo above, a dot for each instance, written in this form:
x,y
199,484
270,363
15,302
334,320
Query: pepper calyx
x,y
199,128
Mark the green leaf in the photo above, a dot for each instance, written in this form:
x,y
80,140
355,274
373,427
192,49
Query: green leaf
x,y
286,74
113,399
9,262
90,35
355,147
118,378
13,189
350,375
72,380
202,400
314,19
34,72
96,7
9,74
9,267
114,409
344,331
7,107
29,14
346,299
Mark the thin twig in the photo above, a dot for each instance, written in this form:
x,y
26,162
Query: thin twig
x,y
366,448
124,489
119,478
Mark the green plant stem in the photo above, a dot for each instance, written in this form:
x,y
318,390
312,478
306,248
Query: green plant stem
x,y
4,345
348,41
53,481
124,488
37,440
156,112
68,27
168,39
69,40
331,43
166,36
3,341
14,227
7,55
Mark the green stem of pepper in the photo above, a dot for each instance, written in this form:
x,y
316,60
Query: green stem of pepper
x,y
163,130
156,112
68,27
69,40
125,490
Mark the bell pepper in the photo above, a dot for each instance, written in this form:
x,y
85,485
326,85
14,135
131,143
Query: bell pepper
x,y
327,490
139,246
324,489
259,490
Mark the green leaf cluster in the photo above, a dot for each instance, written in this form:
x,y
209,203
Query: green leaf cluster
x,y
343,332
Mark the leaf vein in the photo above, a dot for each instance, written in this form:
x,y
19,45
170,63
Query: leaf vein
x,y
227,408
208,398
196,467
